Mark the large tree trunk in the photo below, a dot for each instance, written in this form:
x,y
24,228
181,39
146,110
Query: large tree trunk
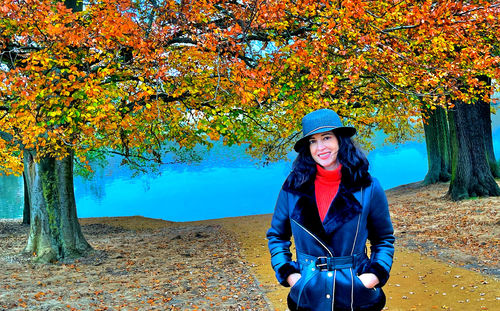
x,y
485,112
471,173
26,210
437,139
488,140
55,233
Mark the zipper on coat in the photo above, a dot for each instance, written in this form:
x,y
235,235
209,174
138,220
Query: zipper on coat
x,y
329,252
352,251
319,241
333,291
331,255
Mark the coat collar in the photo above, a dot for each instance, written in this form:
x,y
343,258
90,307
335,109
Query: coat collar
x,y
345,207
307,188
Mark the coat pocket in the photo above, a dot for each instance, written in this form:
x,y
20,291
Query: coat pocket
x,y
299,292
296,287
349,289
359,283
364,295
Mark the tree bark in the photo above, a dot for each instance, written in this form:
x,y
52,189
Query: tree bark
x,y
485,114
26,210
55,234
488,140
471,173
437,139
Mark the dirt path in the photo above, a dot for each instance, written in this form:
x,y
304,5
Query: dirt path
x,y
435,239
417,282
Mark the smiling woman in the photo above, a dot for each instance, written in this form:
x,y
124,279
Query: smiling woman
x,y
332,206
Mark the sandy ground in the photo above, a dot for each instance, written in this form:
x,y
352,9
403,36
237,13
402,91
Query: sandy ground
x,y
446,259
138,264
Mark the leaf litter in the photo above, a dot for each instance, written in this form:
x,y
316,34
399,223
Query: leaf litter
x,y
196,267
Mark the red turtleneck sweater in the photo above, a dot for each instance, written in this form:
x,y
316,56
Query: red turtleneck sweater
x,y
326,187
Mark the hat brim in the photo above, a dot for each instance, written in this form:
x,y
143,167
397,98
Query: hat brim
x,y
346,131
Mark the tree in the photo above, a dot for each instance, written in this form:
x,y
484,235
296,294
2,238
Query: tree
x,y
472,172
471,34
379,62
437,139
54,229
121,77
470,56
126,76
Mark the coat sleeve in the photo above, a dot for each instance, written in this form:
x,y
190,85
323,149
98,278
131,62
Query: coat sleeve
x,y
380,234
279,241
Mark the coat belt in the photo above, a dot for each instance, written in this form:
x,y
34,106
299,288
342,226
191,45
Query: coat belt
x,y
324,263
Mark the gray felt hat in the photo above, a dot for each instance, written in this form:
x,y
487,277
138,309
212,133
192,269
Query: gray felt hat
x,y
319,121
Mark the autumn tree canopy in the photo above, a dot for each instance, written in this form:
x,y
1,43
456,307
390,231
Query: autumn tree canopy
x,y
122,76
126,76
119,75
387,65
378,63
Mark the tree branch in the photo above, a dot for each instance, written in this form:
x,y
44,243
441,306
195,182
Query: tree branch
x,y
495,5
388,30
6,109
6,136
397,88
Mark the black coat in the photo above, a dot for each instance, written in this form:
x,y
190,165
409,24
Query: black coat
x,y
330,255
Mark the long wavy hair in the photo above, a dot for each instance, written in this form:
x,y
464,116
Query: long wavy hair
x,y
354,165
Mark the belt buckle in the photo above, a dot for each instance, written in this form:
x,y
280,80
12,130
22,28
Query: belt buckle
x,y
322,266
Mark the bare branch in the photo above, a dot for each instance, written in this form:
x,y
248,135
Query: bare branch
x,y
6,111
388,30
400,90
494,5
137,156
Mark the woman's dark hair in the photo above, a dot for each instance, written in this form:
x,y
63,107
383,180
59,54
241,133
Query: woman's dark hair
x,y
354,165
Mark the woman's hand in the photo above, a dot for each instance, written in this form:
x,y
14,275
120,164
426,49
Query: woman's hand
x,y
293,278
369,280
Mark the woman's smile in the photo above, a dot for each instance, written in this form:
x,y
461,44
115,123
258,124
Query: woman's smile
x,y
324,156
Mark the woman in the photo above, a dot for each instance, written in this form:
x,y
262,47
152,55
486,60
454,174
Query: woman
x,y
331,206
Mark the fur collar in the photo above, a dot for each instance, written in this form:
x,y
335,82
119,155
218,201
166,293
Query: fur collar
x,y
343,209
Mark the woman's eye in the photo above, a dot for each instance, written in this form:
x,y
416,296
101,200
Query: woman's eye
x,y
311,142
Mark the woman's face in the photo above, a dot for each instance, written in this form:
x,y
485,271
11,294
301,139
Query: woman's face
x,y
324,148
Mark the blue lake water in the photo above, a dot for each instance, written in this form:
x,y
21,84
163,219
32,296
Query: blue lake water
x,y
225,183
